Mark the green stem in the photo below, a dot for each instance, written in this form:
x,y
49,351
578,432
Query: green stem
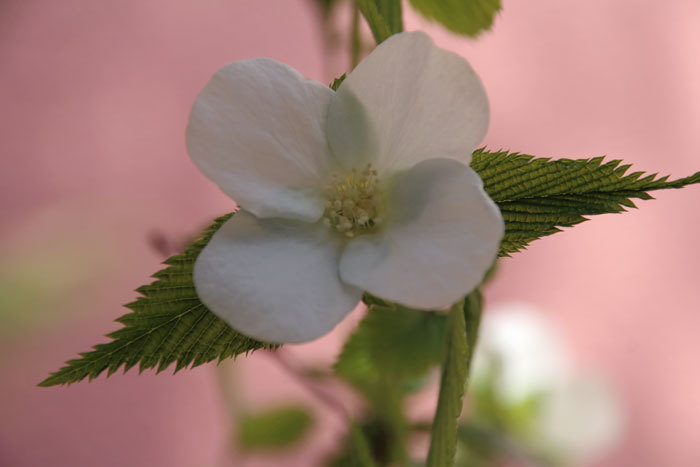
x,y
391,12
360,454
359,448
355,39
389,410
377,24
463,322
472,317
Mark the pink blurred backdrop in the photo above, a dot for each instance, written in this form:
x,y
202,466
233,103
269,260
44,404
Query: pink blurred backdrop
x,y
95,98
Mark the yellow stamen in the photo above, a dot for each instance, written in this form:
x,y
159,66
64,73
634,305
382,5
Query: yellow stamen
x,y
354,202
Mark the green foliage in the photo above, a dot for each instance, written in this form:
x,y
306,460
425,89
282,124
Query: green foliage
x,y
482,446
274,429
454,376
468,17
337,82
168,324
498,429
392,343
537,196
389,352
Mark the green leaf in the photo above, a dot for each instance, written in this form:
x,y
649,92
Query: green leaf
x,y
337,82
393,343
389,351
168,323
274,429
454,375
468,17
537,196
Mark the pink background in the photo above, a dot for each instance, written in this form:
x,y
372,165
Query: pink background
x,y
95,97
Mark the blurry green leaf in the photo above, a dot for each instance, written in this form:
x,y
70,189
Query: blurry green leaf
x,y
274,429
168,324
483,445
480,446
498,428
393,343
454,374
469,17
390,349
489,409
537,195
36,292
52,260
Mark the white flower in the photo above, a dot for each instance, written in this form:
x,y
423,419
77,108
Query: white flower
x,y
582,418
529,355
578,416
363,189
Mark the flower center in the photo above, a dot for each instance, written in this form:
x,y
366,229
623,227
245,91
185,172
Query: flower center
x,y
353,202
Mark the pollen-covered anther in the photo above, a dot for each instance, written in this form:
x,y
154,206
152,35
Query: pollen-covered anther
x,y
353,202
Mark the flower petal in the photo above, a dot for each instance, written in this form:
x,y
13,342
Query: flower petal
x,y
406,102
442,234
257,130
274,280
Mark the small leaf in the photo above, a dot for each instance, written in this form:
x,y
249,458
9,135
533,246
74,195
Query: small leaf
x,y
168,324
468,17
337,82
454,374
274,429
